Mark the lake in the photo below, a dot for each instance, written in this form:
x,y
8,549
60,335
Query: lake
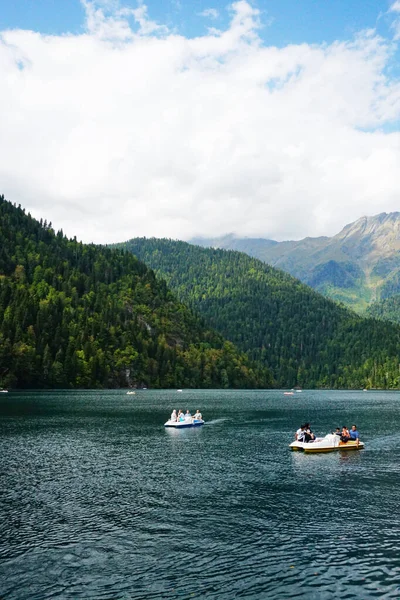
x,y
99,501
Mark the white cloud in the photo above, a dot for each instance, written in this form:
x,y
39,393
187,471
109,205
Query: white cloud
x,y
395,7
131,130
106,19
210,12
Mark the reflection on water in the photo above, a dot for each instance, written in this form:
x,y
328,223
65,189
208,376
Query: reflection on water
x,y
100,501
183,433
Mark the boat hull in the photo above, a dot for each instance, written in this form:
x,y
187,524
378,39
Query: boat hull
x,y
184,424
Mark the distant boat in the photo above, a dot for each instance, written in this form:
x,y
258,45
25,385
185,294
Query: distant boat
x,y
130,393
179,390
288,393
3,391
298,391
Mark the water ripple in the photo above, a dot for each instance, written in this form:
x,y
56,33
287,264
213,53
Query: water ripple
x,y
100,502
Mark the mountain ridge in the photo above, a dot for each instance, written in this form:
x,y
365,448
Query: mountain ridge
x,y
365,254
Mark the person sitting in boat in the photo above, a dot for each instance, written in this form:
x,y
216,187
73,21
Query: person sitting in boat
x,y
188,416
300,433
308,434
354,435
181,416
197,415
345,435
173,416
337,432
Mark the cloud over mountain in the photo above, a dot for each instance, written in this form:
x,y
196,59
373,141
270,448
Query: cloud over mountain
x,y
129,128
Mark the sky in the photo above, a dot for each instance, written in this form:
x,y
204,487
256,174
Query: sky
x,y
177,118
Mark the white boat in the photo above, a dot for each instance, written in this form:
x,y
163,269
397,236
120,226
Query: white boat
x,y
179,390
329,443
3,391
192,422
130,393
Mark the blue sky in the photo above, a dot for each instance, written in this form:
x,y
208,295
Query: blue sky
x,y
177,118
288,21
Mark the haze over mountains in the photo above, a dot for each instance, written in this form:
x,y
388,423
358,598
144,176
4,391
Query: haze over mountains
x,y
358,266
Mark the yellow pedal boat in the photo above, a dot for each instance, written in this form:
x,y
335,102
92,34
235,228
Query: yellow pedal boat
x,y
329,443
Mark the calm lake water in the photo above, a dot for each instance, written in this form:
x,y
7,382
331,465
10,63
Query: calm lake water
x,y
99,501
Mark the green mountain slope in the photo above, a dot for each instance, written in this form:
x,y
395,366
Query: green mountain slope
x,y
387,309
302,337
358,266
75,315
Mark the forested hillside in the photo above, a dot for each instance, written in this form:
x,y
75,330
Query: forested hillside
x,y
75,315
387,309
304,338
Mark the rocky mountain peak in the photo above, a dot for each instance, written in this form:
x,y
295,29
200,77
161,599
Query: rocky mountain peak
x,y
384,222
380,233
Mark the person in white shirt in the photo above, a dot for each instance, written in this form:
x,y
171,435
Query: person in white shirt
x,y
198,415
173,415
300,433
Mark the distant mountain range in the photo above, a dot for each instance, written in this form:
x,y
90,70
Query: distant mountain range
x,y
358,266
74,315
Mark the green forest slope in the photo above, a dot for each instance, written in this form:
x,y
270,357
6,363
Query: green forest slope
x,y
387,309
75,315
304,338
